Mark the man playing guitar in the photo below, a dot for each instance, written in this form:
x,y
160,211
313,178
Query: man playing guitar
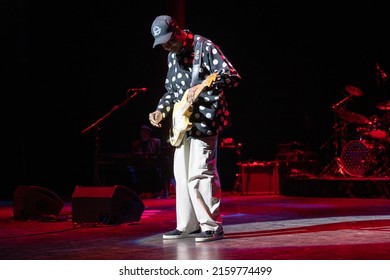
x,y
198,73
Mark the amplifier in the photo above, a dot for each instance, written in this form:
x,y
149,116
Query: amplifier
x,y
260,177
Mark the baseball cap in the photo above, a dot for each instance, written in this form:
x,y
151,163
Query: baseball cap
x,y
146,127
162,28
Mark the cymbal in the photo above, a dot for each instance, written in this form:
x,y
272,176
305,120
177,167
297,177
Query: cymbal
x,y
353,91
352,117
384,105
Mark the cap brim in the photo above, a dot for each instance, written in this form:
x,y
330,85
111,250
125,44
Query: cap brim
x,y
146,127
162,39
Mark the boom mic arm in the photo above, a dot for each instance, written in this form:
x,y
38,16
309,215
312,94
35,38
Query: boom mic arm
x,y
334,107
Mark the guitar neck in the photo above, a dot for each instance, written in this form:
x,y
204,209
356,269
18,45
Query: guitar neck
x,y
188,104
199,90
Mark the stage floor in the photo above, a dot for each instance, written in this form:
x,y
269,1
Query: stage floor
x,y
257,227
337,186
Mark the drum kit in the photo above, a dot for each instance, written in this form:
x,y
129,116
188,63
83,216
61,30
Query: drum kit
x,y
365,152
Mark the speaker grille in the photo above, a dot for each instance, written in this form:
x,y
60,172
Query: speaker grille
x,y
106,205
33,202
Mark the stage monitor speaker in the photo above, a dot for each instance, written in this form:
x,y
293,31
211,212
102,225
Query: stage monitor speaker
x,y
32,202
106,204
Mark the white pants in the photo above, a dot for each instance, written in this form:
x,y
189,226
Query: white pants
x,y
198,188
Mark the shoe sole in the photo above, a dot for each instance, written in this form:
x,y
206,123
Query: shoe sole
x,y
170,237
207,239
180,237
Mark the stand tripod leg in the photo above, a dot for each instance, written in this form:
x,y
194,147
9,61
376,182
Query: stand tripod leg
x,y
333,168
384,169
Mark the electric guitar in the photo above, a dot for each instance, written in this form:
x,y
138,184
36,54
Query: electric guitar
x,y
182,111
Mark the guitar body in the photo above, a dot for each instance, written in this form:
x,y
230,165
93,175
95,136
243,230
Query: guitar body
x,y
180,121
182,111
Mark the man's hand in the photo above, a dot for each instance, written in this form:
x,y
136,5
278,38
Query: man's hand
x,y
155,118
191,94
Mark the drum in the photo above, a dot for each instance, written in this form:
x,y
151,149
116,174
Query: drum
x,y
362,133
360,157
377,129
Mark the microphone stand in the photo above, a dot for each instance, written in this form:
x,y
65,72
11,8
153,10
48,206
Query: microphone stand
x,y
335,106
95,125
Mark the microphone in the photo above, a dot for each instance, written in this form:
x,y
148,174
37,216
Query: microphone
x,y
137,90
334,107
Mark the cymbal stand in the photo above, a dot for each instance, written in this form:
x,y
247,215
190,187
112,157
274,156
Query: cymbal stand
x,y
334,167
381,78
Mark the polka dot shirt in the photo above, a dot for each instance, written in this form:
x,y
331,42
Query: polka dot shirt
x,y
210,114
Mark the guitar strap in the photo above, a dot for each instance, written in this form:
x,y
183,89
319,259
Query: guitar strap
x,y
196,63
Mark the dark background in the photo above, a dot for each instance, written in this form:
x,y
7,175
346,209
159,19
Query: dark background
x,y
66,64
